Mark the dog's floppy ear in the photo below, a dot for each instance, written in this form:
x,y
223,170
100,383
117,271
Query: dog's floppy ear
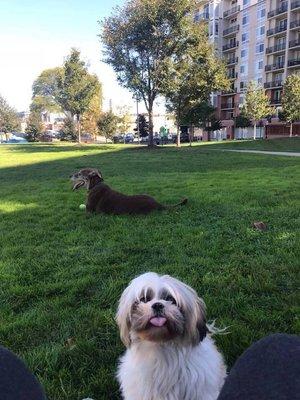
x,y
201,322
95,172
123,317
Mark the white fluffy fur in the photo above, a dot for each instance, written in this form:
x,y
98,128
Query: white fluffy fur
x,y
175,370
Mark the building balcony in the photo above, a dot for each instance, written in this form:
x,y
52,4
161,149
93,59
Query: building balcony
x,y
294,43
277,29
295,5
230,92
231,31
273,84
275,101
294,63
201,17
230,46
274,67
275,49
232,61
280,10
227,106
295,24
231,12
232,75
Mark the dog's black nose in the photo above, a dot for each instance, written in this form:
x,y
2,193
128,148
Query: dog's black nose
x,y
157,307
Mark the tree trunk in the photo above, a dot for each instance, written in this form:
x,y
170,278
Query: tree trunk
x,y
254,132
178,136
79,128
291,129
191,134
150,116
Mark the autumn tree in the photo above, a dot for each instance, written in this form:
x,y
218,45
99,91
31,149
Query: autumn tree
x,y
92,115
291,100
124,119
256,104
140,41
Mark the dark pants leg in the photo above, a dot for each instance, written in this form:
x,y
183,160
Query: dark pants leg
x,y
268,370
16,382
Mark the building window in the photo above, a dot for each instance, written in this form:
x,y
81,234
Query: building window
x,y
246,2
244,69
216,28
244,53
245,37
260,48
260,64
260,31
245,19
261,13
259,81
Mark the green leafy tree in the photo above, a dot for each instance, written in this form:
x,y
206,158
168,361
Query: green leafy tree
x,y
108,124
256,105
241,121
35,127
291,100
9,119
76,87
68,132
46,94
143,128
140,41
69,88
195,75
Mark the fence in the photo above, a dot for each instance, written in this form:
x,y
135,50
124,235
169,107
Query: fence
x,y
248,133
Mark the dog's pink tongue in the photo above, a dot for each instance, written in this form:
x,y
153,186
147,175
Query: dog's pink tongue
x,y
158,321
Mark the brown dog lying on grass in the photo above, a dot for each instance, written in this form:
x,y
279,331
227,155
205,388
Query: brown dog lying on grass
x,y
103,199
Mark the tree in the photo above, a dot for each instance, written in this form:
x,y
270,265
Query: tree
x,y
76,87
107,124
69,88
143,126
291,100
35,127
256,105
194,76
9,119
141,39
241,121
68,132
91,116
46,95
124,122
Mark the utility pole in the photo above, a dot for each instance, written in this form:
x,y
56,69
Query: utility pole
x,y
137,118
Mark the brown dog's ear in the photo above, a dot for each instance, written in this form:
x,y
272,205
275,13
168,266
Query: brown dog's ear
x,y
95,172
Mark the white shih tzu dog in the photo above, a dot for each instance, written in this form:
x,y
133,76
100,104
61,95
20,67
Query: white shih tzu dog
x,y
170,355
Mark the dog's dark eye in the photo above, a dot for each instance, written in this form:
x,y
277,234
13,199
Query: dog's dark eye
x,y
171,299
144,299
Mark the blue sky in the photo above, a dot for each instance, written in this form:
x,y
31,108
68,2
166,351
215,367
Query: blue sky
x,y
37,34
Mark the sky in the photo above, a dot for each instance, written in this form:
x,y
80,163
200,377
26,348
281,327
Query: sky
x,y
38,34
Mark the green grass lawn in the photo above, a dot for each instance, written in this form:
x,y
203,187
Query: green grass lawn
x,y
62,271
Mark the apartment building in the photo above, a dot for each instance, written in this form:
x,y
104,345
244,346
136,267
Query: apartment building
x,y
282,55
259,40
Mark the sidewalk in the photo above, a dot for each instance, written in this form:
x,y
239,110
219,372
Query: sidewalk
x,y
273,153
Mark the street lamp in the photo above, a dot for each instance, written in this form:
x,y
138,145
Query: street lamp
x,y
136,97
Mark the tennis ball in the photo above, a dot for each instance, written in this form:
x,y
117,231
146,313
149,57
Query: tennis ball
x,y
82,206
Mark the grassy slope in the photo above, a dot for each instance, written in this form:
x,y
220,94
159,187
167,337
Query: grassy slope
x,y
62,272
284,144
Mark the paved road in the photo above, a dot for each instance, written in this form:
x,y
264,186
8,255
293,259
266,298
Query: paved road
x,y
273,153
